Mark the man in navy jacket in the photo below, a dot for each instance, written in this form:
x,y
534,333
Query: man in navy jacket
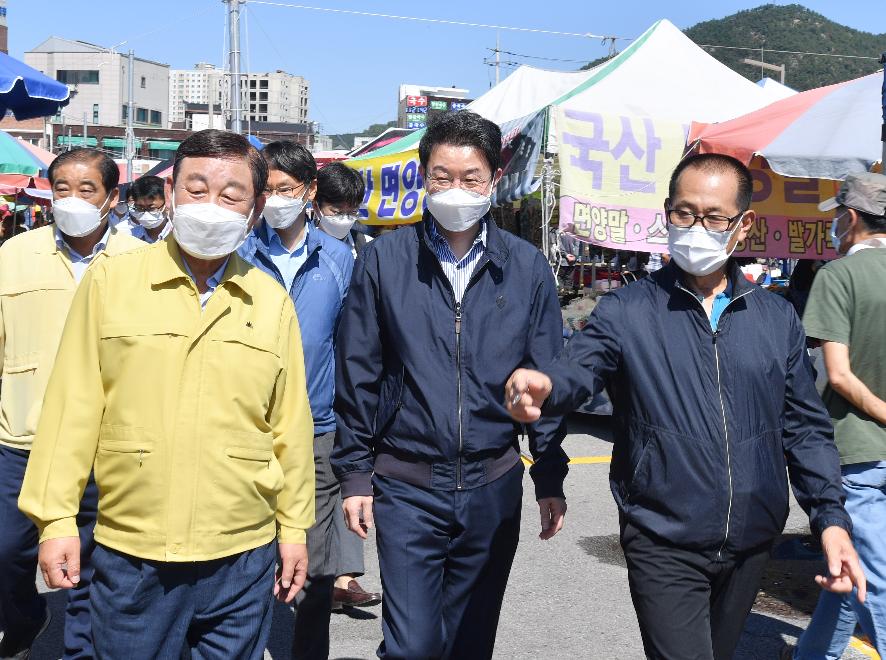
x,y
713,397
437,316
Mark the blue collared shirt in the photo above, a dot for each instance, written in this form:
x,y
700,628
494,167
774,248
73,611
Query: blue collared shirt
x,y
288,263
141,233
211,283
458,272
721,302
79,263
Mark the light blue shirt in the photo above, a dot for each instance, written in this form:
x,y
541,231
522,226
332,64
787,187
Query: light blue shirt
x,y
288,263
141,233
79,263
211,283
458,272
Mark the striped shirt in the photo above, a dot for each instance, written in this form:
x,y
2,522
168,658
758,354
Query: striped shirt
x,y
457,272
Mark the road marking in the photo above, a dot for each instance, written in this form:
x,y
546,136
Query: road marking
x,y
864,648
578,460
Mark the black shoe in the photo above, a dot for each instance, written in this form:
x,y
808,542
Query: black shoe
x,y
18,647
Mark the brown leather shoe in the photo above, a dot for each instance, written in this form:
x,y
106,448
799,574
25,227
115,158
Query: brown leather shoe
x,y
353,596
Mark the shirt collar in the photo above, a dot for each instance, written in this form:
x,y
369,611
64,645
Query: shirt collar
x,y
62,244
276,244
437,237
167,265
867,244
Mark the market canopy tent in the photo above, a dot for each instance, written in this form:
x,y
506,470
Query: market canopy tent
x,y
775,89
27,92
823,133
16,158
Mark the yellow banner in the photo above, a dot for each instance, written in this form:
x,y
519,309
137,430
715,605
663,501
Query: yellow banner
x,y
394,189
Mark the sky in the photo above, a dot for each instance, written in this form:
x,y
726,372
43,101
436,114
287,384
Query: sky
x,y
355,64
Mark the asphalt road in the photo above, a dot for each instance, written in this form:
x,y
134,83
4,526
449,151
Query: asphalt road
x,y
568,597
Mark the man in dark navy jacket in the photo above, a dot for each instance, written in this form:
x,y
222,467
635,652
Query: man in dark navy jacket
x,y
438,315
713,398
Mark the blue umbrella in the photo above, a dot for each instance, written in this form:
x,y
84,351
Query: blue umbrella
x,y
255,142
27,92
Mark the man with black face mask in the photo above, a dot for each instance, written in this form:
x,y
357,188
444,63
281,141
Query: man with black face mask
x,y
714,401
437,316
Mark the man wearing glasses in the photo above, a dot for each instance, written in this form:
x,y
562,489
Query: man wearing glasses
x,y
315,270
438,315
715,410
148,219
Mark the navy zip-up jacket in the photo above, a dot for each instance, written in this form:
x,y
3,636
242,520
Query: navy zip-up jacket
x,y
318,291
705,422
401,378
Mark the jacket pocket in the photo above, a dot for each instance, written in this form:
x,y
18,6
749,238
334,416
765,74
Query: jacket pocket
x,y
22,395
243,480
760,487
130,476
244,365
390,400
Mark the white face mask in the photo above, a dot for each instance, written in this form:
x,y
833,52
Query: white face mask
x,y
150,219
280,212
76,217
208,231
836,240
698,251
458,209
337,225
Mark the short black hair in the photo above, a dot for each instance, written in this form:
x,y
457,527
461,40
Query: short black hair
x,y
214,143
145,187
108,169
462,129
717,164
876,224
339,184
293,158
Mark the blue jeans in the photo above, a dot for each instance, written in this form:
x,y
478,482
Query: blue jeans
x,y
219,609
835,616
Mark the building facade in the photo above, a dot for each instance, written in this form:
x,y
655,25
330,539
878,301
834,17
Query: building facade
x,y
98,79
418,103
273,97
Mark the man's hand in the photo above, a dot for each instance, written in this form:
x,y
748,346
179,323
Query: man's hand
x,y
553,511
843,566
358,514
525,392
292,571
60,562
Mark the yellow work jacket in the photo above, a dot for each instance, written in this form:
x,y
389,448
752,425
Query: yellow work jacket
x,y
36,289
197,422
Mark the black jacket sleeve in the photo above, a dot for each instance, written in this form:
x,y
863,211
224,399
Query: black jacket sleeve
x,y
808,440
545,343
589,360
358,372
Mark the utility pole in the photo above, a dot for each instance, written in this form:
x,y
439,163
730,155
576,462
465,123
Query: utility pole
x,y
84,129
234,37
883,127
765,65
130,109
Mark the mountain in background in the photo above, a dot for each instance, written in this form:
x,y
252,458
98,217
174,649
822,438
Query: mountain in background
x,y
346,140
794,28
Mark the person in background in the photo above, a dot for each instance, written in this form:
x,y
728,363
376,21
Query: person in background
x,y
340,192
437,315
180,376
39,272
148,217
716,409
846,311
315,270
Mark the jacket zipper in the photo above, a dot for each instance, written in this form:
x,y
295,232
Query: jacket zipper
x,y
458,477
723,413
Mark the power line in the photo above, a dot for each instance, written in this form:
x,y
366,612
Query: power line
x,y
442,21
787,52
538,57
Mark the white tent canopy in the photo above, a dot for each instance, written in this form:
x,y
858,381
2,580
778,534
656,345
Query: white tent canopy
x,y
775,89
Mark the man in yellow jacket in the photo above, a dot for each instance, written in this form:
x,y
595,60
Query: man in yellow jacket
x,y
39,272
180,375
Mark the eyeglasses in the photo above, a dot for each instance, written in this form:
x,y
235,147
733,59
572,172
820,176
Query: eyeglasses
x,y
473,184
283,191
686,219
135,208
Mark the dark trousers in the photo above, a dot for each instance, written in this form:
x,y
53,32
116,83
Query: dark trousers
x,y
21,608
689,604
445,557
313,605
219,609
